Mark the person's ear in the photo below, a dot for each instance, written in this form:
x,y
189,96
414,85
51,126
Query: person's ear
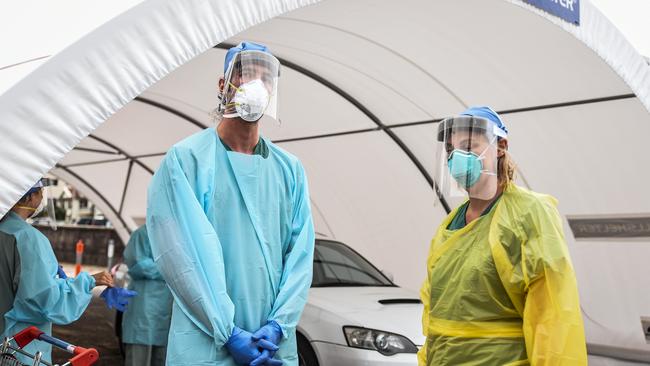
x,y
36,198
222,83
503,147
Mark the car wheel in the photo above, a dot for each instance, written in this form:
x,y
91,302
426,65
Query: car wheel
x,y
306,354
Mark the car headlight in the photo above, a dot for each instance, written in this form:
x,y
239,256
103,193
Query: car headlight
x,y
385,343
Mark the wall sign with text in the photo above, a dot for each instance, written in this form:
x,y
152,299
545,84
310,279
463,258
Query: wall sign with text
x,y
615,227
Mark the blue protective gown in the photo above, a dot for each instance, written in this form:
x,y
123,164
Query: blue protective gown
x,y
147,317
232,235
42,298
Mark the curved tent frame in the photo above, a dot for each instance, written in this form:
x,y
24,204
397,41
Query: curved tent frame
x,y
111,73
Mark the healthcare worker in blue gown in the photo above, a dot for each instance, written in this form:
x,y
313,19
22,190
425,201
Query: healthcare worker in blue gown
x,y
145,324
231,230
44,294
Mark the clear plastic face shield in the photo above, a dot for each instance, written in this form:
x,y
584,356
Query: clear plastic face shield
x,y
50,208
250,89
45,208
466,157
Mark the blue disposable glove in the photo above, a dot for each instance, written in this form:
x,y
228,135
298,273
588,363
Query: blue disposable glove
x,y
244,350
266,359
117,297
61,273
270,332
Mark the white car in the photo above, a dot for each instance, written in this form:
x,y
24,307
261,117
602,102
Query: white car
x,y
355,315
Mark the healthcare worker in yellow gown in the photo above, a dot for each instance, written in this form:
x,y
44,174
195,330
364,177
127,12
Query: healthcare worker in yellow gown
x,y
500,287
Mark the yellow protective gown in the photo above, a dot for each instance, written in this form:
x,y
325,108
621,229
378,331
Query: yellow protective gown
x,y
502,290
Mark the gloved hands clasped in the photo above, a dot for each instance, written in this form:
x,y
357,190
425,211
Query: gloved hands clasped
x,y
270,332
255,349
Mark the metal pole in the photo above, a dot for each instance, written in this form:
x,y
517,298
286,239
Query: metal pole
x,y
111,252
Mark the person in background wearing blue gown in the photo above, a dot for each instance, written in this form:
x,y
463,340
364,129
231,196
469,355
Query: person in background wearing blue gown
x,y
145,323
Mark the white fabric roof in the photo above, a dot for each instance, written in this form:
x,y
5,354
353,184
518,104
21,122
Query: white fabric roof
x,y
363,84
629,16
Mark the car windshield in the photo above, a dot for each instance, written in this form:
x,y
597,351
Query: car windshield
x,y
337,265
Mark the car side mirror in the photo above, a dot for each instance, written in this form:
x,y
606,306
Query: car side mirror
x,y
388,275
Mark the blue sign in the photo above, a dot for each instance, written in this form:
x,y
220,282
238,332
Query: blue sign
x,y
568,10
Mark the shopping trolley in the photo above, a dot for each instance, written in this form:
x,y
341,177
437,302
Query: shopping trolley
x,y
81,356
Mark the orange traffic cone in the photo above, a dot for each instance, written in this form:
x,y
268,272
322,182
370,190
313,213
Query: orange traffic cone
x,y
80,251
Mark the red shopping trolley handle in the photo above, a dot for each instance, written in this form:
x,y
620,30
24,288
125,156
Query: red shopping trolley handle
x,y
82,356
25,336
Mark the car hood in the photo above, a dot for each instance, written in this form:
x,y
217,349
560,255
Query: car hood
x,y
390,309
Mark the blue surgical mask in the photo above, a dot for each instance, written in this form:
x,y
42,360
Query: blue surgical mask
x,y
465,167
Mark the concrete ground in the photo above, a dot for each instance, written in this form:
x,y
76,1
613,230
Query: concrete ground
x,y
95,328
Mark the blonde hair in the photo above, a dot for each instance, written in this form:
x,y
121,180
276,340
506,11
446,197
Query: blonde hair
x,y
506,169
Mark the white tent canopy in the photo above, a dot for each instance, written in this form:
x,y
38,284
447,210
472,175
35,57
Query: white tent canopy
x,y
363,84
